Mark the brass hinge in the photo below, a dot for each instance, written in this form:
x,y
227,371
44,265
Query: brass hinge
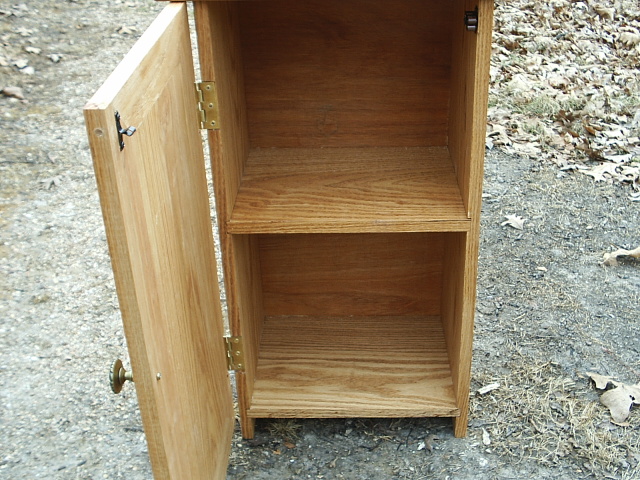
x,y
207,97
235,353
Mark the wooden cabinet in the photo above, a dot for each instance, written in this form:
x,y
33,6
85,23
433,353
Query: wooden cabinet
x,y
347,156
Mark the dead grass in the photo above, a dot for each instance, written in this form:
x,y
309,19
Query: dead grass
x,y
541,414
286,429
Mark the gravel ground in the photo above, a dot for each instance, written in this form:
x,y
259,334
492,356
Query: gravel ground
x,y
548,312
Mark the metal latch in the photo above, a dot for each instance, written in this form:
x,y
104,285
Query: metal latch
x,y
471,20
123,131
235,353
207,97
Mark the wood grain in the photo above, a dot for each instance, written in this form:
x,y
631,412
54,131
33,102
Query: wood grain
x,y
156,211
221,61
346,74
352,274
343,190
470,80
353,367
469,97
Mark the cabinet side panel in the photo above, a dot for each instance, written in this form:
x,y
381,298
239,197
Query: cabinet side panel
x,y
455,318
352,274
469,94
221,61
247,292
458,309
467,130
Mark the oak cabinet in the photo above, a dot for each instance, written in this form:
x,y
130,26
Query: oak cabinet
x,y
346,141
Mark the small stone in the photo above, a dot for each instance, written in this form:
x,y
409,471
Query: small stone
x,y
15,92
21,63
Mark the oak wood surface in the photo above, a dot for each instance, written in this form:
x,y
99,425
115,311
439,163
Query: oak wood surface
x,y
339,74
469,96
352,274
155,206
221,61
470,80
353,367
334,190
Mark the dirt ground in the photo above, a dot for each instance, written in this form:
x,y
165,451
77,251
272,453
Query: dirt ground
x,y
548,312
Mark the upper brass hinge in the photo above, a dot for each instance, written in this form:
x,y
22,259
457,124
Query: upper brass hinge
x,y
235,353
207,97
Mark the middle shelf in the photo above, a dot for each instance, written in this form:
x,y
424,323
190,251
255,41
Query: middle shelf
x,y
348,190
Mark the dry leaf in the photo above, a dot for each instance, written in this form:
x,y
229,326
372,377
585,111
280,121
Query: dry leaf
x,y
50,182
15,92
514,221
598,172
488,388
126,30
289,445
605,12
619,401
601,381
486,439
630,39
429,442
611,259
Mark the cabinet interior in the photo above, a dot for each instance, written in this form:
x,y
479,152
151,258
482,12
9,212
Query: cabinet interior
x,y
342,172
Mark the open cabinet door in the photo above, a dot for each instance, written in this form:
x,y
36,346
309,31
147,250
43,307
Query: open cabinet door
x,y
156,210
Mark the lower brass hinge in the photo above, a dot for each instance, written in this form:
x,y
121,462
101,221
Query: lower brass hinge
x,y
235,353
207,98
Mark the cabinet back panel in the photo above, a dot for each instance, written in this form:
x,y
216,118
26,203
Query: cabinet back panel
x,y
352,274
346,73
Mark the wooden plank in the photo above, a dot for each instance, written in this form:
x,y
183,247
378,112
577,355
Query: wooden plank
x,y
470,90
353,367
221,61
337,74
470,81
342,190
352,274
156,212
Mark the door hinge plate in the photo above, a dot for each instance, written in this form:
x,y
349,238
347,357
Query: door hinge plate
x,y
207,97
235,353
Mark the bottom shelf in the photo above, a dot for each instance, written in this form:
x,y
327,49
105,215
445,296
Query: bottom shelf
x,y
322,367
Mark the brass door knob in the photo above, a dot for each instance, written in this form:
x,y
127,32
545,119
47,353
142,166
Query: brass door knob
x,y
118,376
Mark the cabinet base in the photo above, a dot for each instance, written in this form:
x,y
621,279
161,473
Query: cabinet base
x,y
328,367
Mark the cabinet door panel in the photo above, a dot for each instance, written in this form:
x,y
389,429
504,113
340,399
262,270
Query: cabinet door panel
x,y
156,210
